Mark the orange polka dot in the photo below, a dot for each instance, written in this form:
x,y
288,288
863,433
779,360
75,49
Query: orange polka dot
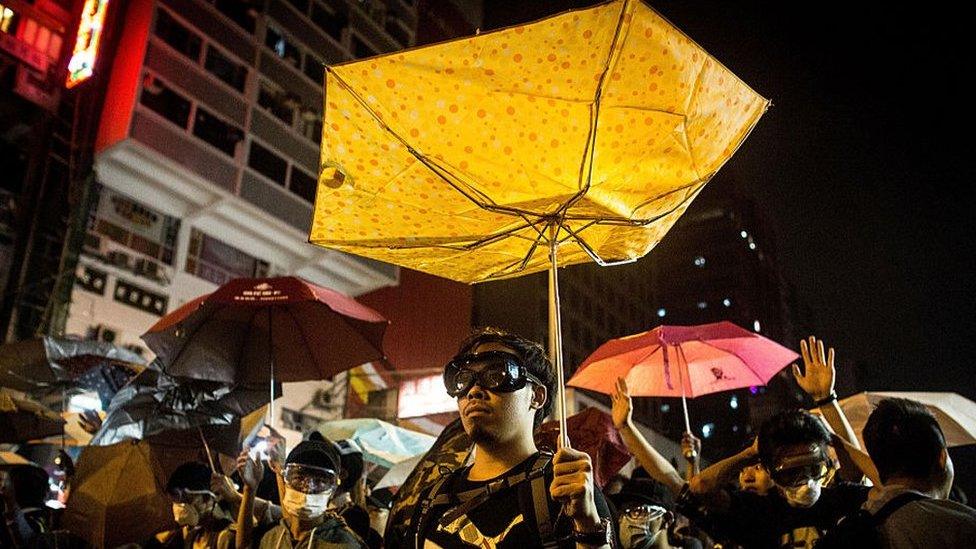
x,y
414,132
648,33
449,70
468,150
335,126
517,58
510,110
551,57
391,83
565,64
464,164
554,143
453,108
441,119
481,113
587,34
508,150
489,72
519,30
532,136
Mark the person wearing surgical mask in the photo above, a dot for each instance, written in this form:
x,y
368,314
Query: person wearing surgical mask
x,y
310,476
794,451
200,519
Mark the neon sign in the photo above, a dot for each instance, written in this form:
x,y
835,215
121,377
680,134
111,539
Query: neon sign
x,y
86,44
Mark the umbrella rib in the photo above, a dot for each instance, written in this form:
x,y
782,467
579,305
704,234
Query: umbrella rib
x,y
301,333
590,150
698,186
189,336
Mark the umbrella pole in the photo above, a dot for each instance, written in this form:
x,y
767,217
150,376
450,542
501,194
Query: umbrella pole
x,y
271,392
684,397
556,339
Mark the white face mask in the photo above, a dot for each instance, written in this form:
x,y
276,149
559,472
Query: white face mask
x,y
302,505
803,496
186,514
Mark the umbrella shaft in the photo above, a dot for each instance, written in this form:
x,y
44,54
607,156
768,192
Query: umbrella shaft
x,y
555,338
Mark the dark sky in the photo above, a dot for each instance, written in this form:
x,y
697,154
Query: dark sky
x,y
861,167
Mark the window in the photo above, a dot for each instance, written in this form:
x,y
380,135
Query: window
x,y
139,298
267,163
284,49
221,66
276,103
218,262
177,36
331,23
300,5
215,131
312,126
238,11
164,101
302,184
314,69
360,49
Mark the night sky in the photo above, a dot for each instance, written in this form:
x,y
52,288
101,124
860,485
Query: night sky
x,y
858,168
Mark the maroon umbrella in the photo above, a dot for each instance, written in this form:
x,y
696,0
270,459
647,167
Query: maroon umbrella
x,y
256,330
591,431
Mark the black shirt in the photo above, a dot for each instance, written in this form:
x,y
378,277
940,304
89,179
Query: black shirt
x,y
755,521
506,519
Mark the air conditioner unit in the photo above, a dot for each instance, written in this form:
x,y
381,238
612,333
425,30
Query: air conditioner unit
x,y
119,259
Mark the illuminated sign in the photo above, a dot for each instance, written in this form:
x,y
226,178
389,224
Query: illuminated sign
x,y
424,396
86,44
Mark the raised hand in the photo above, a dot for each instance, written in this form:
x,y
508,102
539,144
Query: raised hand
x,y
817,378
623,409
251,471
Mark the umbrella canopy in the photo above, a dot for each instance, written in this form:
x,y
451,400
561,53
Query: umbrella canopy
x,y
11,459
118,494
47,363
23,419
233,335
398,474
382,443
455,159
591,431
956,414
683,361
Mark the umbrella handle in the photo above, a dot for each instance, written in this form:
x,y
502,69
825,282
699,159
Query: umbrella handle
x,y
556,339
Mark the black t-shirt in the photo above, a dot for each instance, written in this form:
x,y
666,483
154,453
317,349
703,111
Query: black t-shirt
x,y
755,521
505,520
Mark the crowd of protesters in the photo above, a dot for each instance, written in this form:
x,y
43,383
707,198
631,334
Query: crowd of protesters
x,y
804,481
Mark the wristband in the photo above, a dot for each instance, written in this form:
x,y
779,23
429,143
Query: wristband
x,y
832,397
603,535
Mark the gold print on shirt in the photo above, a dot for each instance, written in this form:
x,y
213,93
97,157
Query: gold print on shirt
x,y
463,528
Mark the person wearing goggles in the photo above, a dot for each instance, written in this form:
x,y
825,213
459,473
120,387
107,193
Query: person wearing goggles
x,y
310,476
503,384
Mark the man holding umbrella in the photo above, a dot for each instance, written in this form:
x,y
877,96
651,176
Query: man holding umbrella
x,y
512,495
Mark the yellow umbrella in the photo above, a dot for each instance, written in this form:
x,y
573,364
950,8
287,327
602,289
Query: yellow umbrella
x,y
587,133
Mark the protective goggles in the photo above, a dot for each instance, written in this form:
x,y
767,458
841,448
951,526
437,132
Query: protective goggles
x,y
798,470
309,479
643,512
496,371
184,495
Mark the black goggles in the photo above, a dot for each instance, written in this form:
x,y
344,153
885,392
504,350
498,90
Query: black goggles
x,y
496,371
797,470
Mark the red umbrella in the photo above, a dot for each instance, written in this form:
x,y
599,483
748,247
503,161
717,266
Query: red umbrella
x,y
256,330
591,431
683,361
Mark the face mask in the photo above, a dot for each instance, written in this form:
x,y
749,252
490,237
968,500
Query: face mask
x,y
635,533
185,514
302,505
803,496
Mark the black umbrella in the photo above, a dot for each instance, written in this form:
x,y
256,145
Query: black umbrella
x,y
23,419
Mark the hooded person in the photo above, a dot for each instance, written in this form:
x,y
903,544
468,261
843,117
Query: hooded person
x,y
311,476
197,511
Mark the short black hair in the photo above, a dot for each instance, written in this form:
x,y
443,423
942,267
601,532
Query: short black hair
x,y
903,438
789,428
533,356
30,484
192,475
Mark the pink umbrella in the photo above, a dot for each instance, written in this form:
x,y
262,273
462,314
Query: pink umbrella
x,y
683,361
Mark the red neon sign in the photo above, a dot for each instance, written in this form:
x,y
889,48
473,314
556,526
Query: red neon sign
x,y
86,44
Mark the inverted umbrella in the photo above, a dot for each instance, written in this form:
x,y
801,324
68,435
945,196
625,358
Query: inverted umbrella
x,y
260,330
587,134
23,419
382,443
955,413
591,431
45,364
683,361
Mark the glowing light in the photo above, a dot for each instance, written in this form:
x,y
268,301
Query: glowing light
x,y
708,429
744,234
665,408
752,245
84,401
82,62
727,302
702,305
699,261
661,312
754,390
756,327
734,402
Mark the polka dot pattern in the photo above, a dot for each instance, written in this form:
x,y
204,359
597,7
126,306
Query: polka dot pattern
x,y
420,145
